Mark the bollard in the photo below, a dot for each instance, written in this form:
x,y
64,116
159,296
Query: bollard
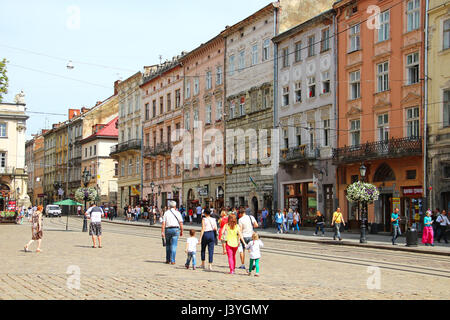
x,y
411,237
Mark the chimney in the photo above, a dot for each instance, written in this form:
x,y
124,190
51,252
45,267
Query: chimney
x,y
116,83
74,113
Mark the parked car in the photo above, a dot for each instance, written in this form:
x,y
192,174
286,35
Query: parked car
x,y
52,210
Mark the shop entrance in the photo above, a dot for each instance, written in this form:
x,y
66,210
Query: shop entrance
x,y
255,206
386,210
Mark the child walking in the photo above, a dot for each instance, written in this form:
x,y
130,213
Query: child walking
x,y
191,249
254,247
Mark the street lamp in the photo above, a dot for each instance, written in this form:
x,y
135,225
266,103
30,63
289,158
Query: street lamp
x,y
152,185
363,239
86,177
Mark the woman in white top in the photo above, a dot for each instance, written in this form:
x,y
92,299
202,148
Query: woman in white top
x,y
297,220
208,238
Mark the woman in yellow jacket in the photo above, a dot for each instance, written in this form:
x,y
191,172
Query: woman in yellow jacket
x,y
232,234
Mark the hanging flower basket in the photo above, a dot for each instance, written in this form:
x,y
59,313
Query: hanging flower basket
x,y
88,194
360,191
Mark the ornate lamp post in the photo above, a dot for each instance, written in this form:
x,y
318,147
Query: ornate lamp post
x,y
363,207
86,177
152,185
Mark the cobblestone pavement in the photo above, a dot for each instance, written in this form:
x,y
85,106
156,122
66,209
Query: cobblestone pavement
x,y
131,266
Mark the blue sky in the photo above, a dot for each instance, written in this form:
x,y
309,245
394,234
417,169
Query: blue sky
x,y
112,39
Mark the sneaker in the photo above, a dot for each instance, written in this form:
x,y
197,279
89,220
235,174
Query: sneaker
x,y
340,239
249,274
242,267
334,238
256,275
187,266
193,268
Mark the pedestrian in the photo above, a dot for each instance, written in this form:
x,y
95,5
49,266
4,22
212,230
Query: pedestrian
x,y
138,212
290,220
264,217
435,224
36,229
247,210
29,212
320,221
79,210
279,221
208,238
233,235
95,214
171,230
183,213
395,226
284,221
191,249
254,248
337,220
427,234
222,222
443,221
145,209
297,220
246,223
112,213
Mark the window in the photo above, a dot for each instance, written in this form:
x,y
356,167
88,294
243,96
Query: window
x,y
154,169
325,82
311,41
169,102
254,54
219,75
3,159
218,110
285,57
138,166
446,107
168,167
299,135
266,52
242,107
147,111
177,132
285,96
383,31
85,152
383,127
208,80
147,139
161,105
196,86
188,90
355,85
241,64
161,168
154,108
187,120
446,35
177,170
311,126
411,174
311,87
266,97
137,104
354,37
95,150
122,168
208,114
130,167
413,15
412,122
177,98
130,106
298,92
355,132
298,51
412,68
326,132
232,110
231,63
325,43
383,76
147,171
195,118
3,130
286,138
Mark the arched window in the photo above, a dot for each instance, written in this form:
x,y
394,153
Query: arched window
x,y
384,173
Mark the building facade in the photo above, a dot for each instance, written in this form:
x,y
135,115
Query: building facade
x,y
203,144
306,116
249,117
380,111
438,104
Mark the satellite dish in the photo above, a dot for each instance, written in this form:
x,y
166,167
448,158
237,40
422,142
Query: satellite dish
x,y
70,65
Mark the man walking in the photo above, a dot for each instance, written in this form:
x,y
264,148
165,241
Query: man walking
x,y
95,214
172,228
443,221
246,224
337,220
264,217
395,227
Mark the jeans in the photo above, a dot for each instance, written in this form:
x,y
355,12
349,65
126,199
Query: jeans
x,y
171,243
290,224
395,232
296,226
191,255
264,223
278,226
337,231
256,262
208,240
320,225
442,233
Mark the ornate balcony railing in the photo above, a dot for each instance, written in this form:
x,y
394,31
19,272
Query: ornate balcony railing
x,y
160,149
392,148
300,153
127,145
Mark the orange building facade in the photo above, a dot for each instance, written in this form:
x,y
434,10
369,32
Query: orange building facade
x,y
380,107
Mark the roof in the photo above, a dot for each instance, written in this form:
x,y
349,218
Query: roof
x,y
109,131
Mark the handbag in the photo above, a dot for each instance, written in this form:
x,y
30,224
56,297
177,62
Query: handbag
x,y
163,241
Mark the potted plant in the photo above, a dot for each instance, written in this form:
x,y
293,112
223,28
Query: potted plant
x,y
362,192
8,217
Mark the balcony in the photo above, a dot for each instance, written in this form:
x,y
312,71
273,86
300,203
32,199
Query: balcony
x,y
160,149
7,171
300,153
125,146
392,148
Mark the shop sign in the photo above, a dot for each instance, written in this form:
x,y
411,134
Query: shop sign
x,y
312,202
203,192
267,187
412,191
395,203
11,205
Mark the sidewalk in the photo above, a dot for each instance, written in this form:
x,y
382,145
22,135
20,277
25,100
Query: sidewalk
x,y
377,241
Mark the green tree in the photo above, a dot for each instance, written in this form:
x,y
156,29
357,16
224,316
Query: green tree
x,y
3,79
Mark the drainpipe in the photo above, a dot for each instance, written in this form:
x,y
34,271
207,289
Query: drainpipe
x,y
224,120
336,103
275,111
425,135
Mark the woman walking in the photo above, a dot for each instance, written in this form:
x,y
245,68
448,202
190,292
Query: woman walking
x,y
290,220
233,235
320,221
297,220
428,235
285,228
36,229
222,222
208,238
279,221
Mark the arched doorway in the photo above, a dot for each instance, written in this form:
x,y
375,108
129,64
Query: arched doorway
x,y
190,199
4,196
255,206
383,215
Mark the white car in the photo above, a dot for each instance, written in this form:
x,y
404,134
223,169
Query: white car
x,y
52,210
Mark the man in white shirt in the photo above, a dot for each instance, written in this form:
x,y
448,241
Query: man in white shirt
x,y
246,224
443,221
95,214
172,228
